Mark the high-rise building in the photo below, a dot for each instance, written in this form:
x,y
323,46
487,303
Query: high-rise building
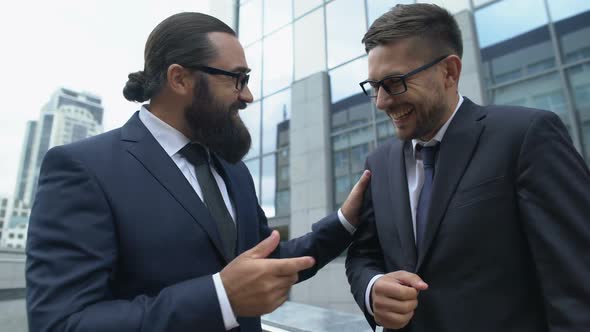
x,y
67,117
307,59
4,213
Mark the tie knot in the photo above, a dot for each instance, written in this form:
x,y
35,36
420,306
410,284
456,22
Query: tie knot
x,y
196,154
428,154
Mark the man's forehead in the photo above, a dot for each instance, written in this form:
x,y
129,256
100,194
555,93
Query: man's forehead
x,y
230,52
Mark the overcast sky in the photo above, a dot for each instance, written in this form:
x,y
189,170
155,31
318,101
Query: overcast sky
x,y
88,45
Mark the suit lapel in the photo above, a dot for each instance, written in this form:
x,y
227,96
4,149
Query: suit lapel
x,y
402,217
144,147
456,151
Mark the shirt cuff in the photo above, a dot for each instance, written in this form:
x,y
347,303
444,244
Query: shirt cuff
x,y
229,318
351,229
368,303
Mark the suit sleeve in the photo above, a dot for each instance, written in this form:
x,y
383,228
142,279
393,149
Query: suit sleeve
x,y
365,257
554,201
327,240
72,259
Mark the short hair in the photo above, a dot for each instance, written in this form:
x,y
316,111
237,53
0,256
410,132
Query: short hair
x,y
180,39
428,22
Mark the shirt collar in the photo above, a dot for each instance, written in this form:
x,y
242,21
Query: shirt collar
x,y
440,133
167,136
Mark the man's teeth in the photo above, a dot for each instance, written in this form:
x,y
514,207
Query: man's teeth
x,y
399,115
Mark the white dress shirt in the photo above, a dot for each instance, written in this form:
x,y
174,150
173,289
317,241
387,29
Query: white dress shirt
x,y
415,177
172,141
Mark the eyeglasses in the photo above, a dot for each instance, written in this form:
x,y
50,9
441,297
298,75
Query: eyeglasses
x,y
241,78
394,84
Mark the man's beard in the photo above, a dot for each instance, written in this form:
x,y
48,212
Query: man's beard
x,y
217,127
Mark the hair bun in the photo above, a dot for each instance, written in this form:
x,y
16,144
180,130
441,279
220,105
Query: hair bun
x,y
134,89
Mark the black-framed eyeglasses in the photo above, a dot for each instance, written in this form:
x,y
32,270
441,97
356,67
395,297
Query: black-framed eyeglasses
x,y
241,77
394,84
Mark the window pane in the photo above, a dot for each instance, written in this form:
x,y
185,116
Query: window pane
x,y
276,14
276,111
278,61
310,55
303,6
385,130
283,197
254,168
507,19
480,2
341,162
342,187
561,9
514,55
543,92
251,118
572,27
344,80
453,6
346,27
254,59
250,25
579,77
269,185
358,154
377,8
351,112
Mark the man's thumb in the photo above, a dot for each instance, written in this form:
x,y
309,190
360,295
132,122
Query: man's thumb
x,y
266,246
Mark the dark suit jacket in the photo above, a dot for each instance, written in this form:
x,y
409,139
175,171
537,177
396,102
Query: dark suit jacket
x,y
119,241
508,235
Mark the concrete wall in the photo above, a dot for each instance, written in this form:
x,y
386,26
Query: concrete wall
x,y
12,269
311,189
470,83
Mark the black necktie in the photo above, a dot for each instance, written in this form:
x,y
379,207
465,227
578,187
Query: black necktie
x,y
198,156
428,154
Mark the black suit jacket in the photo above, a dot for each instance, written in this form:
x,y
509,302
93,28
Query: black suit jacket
x,y
508,234
119,241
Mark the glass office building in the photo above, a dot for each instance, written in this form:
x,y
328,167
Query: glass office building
x,y
312,126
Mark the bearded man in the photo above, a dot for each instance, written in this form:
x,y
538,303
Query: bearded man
x,y
156,226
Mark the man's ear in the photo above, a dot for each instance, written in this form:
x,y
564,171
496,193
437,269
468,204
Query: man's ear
x,y
179,80
452,71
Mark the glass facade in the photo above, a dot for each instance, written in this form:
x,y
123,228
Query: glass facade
x,y
539,56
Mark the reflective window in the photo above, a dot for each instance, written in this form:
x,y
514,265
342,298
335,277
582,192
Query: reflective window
x,y
507,19
310,53
453,6
277,13
283,197
276,111
345,20
351,112
344,80
342,187
377,8
579,79
303,6
385,130
571,27
543,92
480,2
254,59
278,61
269,167
561,9
513,59
250,25
251,118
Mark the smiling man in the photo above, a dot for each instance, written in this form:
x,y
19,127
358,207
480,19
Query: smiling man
x,y
156,226
477,218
